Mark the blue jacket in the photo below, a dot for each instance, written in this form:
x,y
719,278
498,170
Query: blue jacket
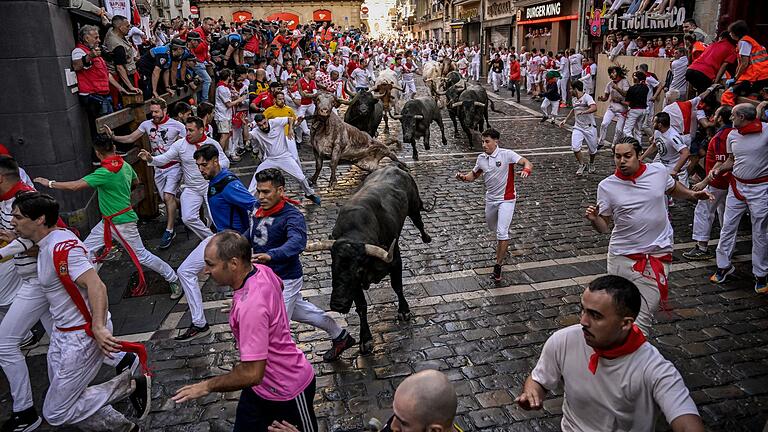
x,y
230,202
282,236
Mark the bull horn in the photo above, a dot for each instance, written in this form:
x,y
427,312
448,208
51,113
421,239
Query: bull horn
x,y
455,104
480,104
377,95
418,117
380,253
319,246
398,88
394,116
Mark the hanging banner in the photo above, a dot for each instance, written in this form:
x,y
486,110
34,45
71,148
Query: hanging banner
x,y
291,20
321,15
242,16
118,7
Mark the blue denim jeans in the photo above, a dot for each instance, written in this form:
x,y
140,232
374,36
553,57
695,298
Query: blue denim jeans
x,y
205,88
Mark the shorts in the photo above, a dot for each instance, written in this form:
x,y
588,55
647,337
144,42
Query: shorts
x,y
224,126
698,80
167,180
580,135
498,216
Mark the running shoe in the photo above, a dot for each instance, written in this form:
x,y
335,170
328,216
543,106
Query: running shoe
x,y
581,169
591,168
166,239
141,398
130,360
497,273
23,421
340,344
543,119
626,17
314,198
722,274
761,286
194,332
176,291
697,254
31,341
235,158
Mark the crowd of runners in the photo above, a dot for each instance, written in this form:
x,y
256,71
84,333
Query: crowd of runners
x,y
267,77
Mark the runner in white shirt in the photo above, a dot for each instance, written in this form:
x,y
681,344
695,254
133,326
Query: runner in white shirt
x,y
670,148
616,108
409,84
584,108
634,198
747,148
193,195
679,66
463,65
271,135
225,103
497,166
162,132
474,67
613,378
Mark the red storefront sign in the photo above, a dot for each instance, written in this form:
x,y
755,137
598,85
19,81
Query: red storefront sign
x,y
242,16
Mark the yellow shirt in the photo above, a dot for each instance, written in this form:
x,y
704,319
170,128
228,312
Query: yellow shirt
x,y
275,112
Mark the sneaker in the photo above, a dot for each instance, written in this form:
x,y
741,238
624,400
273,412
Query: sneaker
x,y
31,341
141,398
697,254
176,291
591,168
130,360
721,275
166,239
581,169
241,151
626,17
23,421
562,104
194,332
496,273
761,286
543,119
314,198
235,158
340,344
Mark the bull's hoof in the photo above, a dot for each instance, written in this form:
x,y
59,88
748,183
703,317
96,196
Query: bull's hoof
x,y
404,316
366,347
415,156
445,141
426,238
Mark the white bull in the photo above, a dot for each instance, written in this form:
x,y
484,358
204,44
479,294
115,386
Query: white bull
x,y
387,89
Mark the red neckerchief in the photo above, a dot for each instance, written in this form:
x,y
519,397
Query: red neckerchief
x,y
755,126
634,176
18,187
222,84
165,119
634,341
113,164
197,142
261,213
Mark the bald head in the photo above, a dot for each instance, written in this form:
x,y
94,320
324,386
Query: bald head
x,y
743,113
426,399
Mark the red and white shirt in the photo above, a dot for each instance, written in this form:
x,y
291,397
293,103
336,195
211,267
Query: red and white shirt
x,y
639,211
163,135
498,169
309,87
750,153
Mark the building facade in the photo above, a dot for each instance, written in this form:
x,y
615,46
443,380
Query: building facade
x,y
343,13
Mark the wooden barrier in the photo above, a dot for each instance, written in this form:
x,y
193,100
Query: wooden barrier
x,y
659,66
145,199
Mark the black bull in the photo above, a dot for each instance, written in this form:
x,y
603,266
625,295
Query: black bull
x,y
471,109
365,112
365,245
415,118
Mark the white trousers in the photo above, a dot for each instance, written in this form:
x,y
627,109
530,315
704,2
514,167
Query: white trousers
x,y
498,216
505,75
10,282
474,71
188,271
552,106
580,135
287,164
303,111
705,212
562,84
496,79
410,89
757,203
191,202
235,141
306,312
74,360
167,180
619,265
130,233
529,81
607,119
633,126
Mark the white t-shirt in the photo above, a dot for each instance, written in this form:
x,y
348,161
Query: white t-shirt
x,y
639,211
407,72
565,67
623,394
583,121
221,111
163,135
652,83
669,144
183,151
62,308
750,153
136,35
274,141
679,67
270,72
575,60
360,77
345,51
340,69
498,170
615,98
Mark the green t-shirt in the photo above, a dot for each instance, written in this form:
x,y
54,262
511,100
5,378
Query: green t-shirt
x,y
114,191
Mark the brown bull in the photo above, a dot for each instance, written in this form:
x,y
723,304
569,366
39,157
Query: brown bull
x,y
335,140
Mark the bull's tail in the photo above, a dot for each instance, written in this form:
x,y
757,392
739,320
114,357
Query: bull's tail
x,y
426,209
493,106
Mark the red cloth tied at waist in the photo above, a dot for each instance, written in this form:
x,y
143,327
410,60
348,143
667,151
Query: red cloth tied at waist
x,y
141,288
60,256
657,266
736,193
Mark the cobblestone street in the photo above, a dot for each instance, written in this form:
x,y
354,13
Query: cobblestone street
x,y
485,336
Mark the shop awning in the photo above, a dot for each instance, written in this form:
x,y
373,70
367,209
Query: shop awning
x,y
321,15
242,16
292,20
547,20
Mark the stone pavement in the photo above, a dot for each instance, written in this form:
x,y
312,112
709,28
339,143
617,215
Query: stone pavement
x,y
485,336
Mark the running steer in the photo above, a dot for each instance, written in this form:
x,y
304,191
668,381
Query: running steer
x,y
472,110
416,117
388,92
365,112
335,140
364,248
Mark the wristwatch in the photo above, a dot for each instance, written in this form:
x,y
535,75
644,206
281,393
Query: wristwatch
x,y
51,183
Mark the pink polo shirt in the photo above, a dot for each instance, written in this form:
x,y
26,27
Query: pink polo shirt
x,y
263,332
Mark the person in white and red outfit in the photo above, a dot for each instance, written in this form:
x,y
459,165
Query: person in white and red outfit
x,y
307,88
747,148
634,198
613,378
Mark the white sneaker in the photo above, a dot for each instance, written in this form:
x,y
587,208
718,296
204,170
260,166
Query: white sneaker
x,y
591,168
581,169
626,17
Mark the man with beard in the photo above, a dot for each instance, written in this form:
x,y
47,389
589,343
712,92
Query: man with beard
x,y
613,378
272,136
